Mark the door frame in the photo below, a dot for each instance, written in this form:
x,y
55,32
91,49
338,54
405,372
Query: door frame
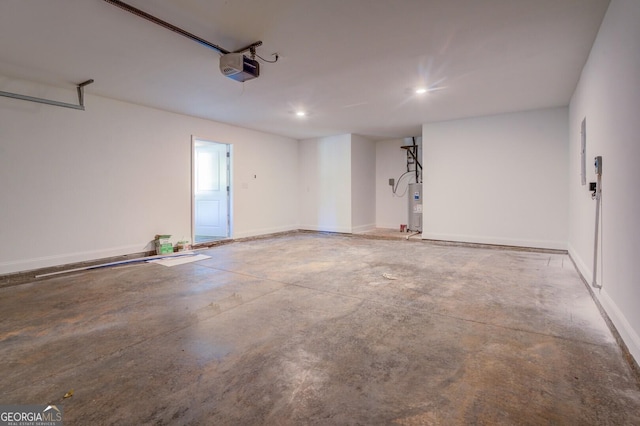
x,y
195,139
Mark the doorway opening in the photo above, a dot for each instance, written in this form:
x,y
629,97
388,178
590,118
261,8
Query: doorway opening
x,y
211,191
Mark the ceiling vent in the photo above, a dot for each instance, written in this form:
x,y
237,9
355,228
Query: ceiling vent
x,y
238,67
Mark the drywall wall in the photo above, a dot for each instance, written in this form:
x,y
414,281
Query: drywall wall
x,y
363,184
81,185
391,163
337,184
497,180
325,184
608,95
265,170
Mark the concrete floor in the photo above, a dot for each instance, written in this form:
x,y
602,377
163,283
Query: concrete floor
x,y
314,329
391,234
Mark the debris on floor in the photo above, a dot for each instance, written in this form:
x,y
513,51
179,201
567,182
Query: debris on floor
x,y
68,394
183,246
117,263
163,245
173,261
389,276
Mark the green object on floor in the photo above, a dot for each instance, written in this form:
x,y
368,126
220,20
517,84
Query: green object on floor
x,y
163,245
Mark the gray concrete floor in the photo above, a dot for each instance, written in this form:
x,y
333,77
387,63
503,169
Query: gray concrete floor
x,y
391,234
319,329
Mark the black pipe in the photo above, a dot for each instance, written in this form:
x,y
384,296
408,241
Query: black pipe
x,y
414,153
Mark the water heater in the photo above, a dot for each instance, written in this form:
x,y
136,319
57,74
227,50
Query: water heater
x,y
415,207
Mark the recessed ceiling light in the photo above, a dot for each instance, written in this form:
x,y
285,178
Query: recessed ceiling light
x,y
301,113
421,90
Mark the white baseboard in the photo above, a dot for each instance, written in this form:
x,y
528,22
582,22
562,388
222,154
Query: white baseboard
x,y
395,226
264,231
342,230
627,333
583,269
543,244
363,228
23,265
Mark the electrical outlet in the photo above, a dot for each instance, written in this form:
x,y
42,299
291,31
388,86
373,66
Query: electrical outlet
x,y
392,182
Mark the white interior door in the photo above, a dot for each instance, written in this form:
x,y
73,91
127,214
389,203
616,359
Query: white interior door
x,y
210,191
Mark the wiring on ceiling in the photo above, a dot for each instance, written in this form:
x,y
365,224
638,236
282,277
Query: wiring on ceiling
x,y
268,61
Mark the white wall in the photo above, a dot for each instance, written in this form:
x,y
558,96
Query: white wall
x,y
80,185
265,170
608,95
391,162
325,184
497,180
363,184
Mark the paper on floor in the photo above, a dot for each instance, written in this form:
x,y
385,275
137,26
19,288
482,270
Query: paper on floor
x,y
180,260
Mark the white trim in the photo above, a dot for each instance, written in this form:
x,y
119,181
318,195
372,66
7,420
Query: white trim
x,y
229,171
583,269
389,226
363,228
545,244
24,265
630,337
264,231
622,325
325,229
192,188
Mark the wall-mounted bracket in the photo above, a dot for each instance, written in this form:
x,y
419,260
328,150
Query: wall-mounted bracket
x,y
80,105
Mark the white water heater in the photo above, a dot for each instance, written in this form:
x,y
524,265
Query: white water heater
x,y
415,207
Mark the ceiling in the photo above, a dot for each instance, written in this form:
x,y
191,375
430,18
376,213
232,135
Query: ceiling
x,y
352,65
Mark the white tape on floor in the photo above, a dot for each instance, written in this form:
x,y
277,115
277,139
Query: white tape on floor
x,y
180,260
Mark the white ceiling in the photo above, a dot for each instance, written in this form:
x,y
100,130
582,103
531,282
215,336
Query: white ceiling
x,y
351,64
